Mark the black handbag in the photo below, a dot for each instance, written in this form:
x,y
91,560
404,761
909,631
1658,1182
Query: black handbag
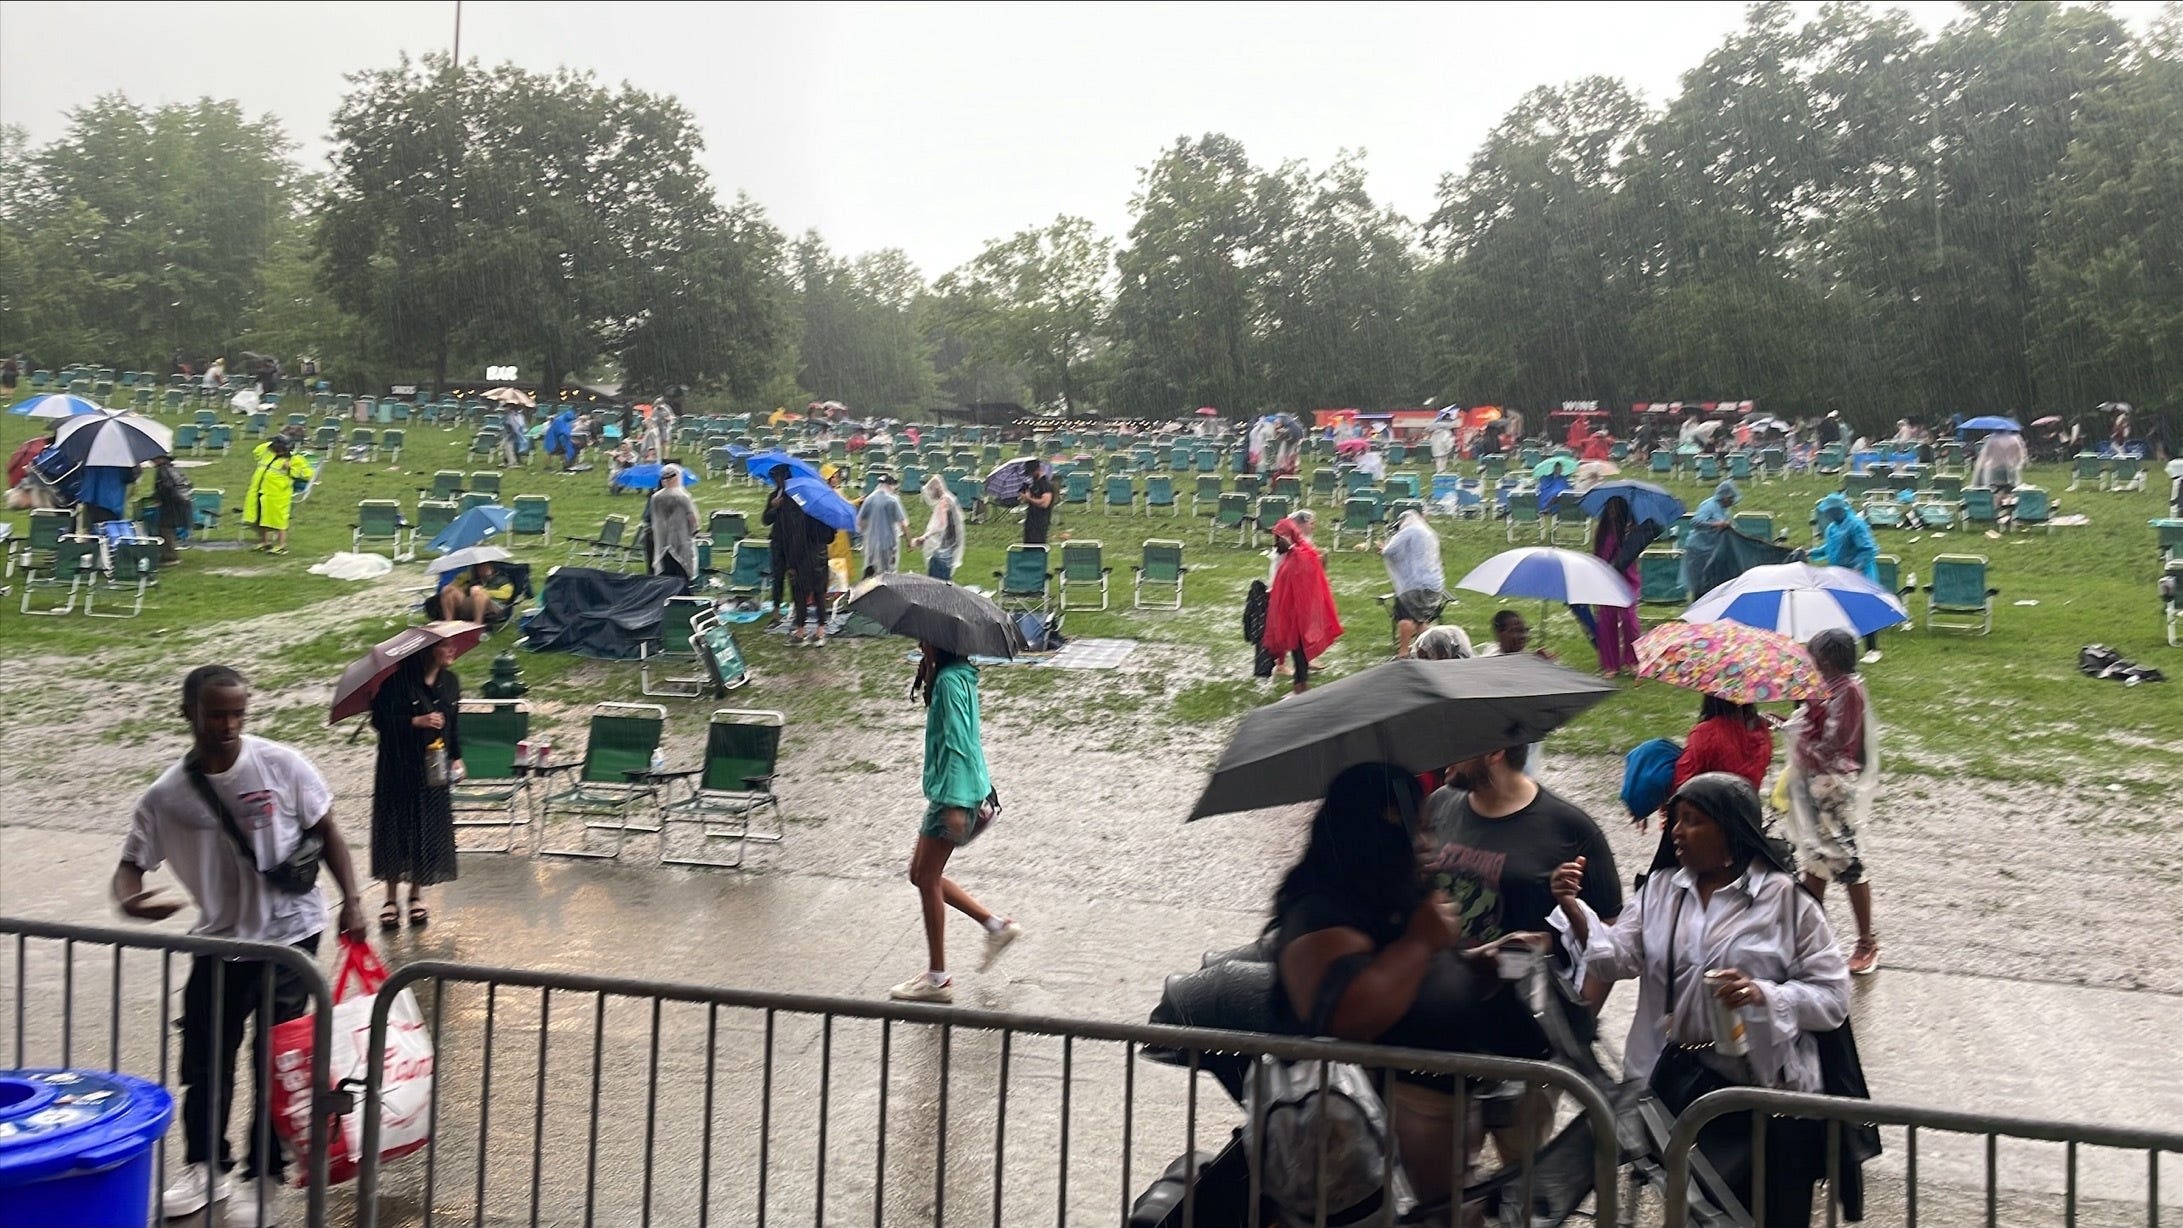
x,y
297,874
1683,1074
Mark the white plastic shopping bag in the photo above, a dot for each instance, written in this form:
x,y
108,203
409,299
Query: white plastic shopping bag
x,y
405,1089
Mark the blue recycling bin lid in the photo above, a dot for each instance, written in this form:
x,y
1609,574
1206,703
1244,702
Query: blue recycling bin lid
x,y
57,1122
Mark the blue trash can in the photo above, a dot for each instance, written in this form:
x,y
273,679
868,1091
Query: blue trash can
x,y
77,1147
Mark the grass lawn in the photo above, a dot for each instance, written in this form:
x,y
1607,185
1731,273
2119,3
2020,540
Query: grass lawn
x,y
2009,706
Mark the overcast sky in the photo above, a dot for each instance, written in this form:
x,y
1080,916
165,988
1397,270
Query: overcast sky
x,y
926,127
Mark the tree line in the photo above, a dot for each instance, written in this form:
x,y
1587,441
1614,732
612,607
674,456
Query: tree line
x,y
1842,213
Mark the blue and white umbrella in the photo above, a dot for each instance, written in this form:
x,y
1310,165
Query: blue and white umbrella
x,y
472,527
54,405
109,437
760,465
1548,574
1800,601
1989,423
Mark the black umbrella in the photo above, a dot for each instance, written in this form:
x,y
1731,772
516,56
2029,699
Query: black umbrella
x,y
1419,715
938,613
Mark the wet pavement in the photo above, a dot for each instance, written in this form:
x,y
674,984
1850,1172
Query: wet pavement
x,y
1969,1042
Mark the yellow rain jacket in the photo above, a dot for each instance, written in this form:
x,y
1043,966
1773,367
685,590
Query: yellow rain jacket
x,y
273,487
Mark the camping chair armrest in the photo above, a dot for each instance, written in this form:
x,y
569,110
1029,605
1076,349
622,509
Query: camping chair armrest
x,y
1993,592
685,774
759,782
552,768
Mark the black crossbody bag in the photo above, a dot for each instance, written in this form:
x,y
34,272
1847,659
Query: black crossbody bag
x,y
297,874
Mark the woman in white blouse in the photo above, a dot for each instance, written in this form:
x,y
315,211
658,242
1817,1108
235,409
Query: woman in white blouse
x,y
1725,917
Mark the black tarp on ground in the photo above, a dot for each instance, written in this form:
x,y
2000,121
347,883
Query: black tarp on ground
x,y
603,614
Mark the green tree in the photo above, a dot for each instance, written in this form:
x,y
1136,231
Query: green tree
x,y
1036,300
1186,306
860,340
180,204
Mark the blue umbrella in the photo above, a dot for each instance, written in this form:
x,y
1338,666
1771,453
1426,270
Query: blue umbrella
x,y
54,405
472,527
646,477
1800,601
823,503
1989,423
760,465
1648,503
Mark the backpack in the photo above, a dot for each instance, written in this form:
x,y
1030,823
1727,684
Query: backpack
x,y
1648,773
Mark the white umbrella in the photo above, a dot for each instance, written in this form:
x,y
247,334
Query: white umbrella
x,y
122,440
466,557
56,405
1548,574
1800,601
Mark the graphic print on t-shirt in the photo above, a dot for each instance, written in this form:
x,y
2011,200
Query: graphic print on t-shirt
x,y
254,810
1471,877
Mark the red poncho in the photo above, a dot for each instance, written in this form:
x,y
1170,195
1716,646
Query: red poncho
x,y
1300,606
19,464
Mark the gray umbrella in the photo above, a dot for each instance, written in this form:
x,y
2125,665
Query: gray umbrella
x,y
1419,715
937,612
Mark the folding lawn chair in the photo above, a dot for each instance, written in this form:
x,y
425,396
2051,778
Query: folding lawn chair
x,y
604,549
1269,511
1980,507
71,562
1160,567
1523,516
2087,467
1160,493
1205,495
752,570
491,784
485,481
611,782
681,619
2033,507
1959,598
132,568
447,484
1882,512
533,517
1660,580
1121,492
727,528
1025,583
1570,521
735,783
377,520
1083,564
433,515
363,443
720,657
1232,511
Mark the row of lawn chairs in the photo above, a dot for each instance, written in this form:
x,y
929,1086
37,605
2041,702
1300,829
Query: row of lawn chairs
x,y
118,561
2027,507
610,790
382,522
1958,597
1031,582
2112,473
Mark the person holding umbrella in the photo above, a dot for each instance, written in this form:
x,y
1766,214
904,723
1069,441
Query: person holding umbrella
x,y
171,490
799,547
1038,503
673,516
272,492
1617,627
416,713
1301,619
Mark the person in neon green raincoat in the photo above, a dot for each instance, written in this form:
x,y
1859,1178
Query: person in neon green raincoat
x,y
272,492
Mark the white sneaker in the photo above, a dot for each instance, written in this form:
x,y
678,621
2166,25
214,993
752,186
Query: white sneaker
x,y
260,1204
197,1187
920,988
1871,657
996,941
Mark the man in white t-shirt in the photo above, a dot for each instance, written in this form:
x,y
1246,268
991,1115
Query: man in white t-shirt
x,y
273,795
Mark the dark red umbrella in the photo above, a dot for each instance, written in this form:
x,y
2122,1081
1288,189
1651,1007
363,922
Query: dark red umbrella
x,y
361,681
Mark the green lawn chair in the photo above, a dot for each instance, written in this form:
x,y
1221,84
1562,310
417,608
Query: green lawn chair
x,y
1360,515
483,445
1076,489
432,516
132,568
363,443
606,549
2168,538
533,517
1161,567
254,425
1289,487
719,657
485,481
1662,461
490,730
447,485
1773,464
190,438
1083,564
733,785
1206,496
1121,492
608,789
1325,484
2128,474
1959,598
1709,467
1250,484
1569,523
1231,511
727,527
70,563
1660,581
1026,582
1159,493
1523,516
2033,507
1979,507
390,444
378,520
477,498
2087,467
1754,524
1882,512
1269,511
752,569
681,619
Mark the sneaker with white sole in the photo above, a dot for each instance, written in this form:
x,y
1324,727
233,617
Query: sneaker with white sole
x,y
259,1205
1872,657
199,1186
996,941
920,988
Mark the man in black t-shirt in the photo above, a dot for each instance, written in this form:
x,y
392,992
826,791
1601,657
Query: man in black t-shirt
x,y
1498,836
1038,504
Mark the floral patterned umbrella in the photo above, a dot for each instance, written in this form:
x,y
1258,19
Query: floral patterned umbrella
x,y
1745,665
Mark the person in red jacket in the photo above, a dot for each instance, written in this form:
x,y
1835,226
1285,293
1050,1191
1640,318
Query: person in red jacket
x,y
1729,737
1301,621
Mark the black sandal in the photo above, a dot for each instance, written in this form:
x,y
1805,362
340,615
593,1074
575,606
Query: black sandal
x,y
418,917
390,916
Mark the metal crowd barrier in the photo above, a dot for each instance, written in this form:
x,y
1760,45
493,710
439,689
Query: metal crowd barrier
x,y
744,1107
148,1048
1765,1105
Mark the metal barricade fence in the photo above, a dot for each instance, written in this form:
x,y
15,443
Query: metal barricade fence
x,y
643,1102
145,1044
1766,1106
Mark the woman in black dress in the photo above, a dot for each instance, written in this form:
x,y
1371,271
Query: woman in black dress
x,y
412,824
